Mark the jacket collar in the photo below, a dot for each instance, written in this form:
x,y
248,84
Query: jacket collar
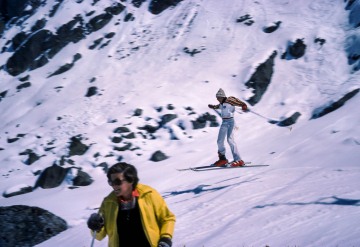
x,y
139,191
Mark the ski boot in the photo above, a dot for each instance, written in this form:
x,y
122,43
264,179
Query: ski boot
x,y
237,163
222,160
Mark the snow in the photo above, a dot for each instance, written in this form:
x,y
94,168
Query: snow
x,y
309,195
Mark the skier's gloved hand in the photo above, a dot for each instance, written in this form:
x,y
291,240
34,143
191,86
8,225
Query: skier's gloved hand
x,y
211,106
95,222
244,108
165,242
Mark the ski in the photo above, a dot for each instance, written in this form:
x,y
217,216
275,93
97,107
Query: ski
x,y
208,166
220,168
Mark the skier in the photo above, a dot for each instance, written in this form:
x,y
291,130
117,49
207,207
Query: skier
x,y
227,107
133,214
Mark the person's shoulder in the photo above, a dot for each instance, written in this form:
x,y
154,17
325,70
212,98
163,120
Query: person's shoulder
x,y
144,189
110,197
232,98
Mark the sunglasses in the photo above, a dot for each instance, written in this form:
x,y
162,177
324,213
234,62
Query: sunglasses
x,y
116,181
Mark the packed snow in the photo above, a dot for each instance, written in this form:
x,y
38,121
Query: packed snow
x,y
308,195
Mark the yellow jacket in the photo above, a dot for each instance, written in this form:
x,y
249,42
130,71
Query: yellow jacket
x,y
157,220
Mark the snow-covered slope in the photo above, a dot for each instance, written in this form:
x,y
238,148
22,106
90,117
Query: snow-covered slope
x,y
173,63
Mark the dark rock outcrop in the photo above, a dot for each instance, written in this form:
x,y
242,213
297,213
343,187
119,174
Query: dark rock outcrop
x,y
51,177
260,80
201,121
321,111
138,112
28,52
149,128
67,66
55,7
33,50
193,52
353,51
354,17
272,28
246,19
16,11
137,3
39,24
353,41
18,39
290,120
98,22
158,156
3,95
20,191
167,118
77,147
23,85
91,91
129,136
24,226
116,139
158,6
320,41
295,50
120,130
32,157
82,179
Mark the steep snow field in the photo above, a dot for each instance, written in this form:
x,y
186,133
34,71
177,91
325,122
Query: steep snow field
x,y
309,195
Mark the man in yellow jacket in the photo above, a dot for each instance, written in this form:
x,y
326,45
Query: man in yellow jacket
x,y
132,214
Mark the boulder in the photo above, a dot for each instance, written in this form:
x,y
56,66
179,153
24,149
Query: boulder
x,y
158,6
260,80
77,147
323,110
91,91
158,156
82,179
167,118
290,120
121,130
201,121
272,28
22,189
51,177
297,49
25,226
32,157
29,51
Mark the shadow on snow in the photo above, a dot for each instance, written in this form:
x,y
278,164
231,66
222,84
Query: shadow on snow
x,y
204,188
322,201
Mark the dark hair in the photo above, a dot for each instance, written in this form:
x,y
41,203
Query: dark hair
x,y
129,172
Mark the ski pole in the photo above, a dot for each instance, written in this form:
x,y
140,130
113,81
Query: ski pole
x,y
271,121
93,239
217,113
